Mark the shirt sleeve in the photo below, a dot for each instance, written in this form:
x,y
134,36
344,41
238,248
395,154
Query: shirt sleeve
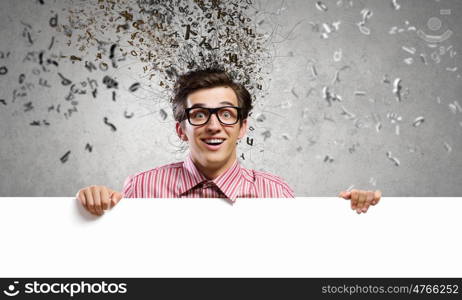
x,y
287,191
128,191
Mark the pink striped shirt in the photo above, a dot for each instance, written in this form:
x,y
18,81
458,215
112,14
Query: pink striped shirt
x,y
184,180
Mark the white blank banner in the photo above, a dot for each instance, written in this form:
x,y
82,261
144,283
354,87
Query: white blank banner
x,y
303,237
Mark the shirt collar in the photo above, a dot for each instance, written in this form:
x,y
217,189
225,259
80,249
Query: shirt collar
x,y
229,182
192,177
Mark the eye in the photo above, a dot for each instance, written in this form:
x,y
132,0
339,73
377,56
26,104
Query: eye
x,y
226,114
199,115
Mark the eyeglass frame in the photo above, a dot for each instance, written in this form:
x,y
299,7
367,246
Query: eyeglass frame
x,y
211,112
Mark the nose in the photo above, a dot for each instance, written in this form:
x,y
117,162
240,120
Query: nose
x,y
213,124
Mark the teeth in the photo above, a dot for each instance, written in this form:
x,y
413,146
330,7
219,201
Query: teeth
x,y
214,141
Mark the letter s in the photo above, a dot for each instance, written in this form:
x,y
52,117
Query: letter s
x,y
122,288
29,289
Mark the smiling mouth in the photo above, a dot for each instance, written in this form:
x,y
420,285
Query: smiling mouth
x,y
214,141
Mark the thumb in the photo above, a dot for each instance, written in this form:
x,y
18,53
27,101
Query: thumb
x,y
115,197
345,194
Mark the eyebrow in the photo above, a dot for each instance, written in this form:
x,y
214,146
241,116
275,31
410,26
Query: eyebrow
x,y
204,105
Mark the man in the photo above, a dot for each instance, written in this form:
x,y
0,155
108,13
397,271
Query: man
x,y
211,111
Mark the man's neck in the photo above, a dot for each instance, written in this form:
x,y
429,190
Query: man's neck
x,y
211,172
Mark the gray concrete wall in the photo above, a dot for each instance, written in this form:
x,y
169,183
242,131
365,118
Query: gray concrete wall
x,y
362,94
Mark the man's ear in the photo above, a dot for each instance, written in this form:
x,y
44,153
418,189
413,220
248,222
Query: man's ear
x,y
243,129
180,132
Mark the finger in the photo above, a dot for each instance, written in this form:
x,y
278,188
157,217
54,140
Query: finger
x,y
105,198
377,196
345,195
361,200
89,201
81,198
369,199
97,198
366,207
354,199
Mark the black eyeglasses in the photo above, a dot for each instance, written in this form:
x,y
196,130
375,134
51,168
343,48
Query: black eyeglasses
x,y
227,115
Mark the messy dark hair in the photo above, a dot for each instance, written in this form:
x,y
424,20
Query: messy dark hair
x,y
207,78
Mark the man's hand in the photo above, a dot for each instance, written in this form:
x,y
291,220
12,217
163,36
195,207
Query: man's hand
x,y
361,200
97,198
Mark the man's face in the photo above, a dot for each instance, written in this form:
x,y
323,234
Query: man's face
x,y
212,145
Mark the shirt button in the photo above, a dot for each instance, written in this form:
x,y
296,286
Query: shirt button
x,y
208,184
